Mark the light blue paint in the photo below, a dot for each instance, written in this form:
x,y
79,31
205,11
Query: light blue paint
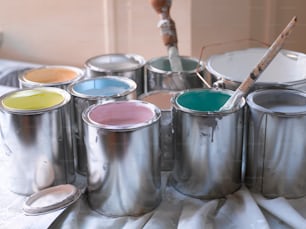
x,y
101,87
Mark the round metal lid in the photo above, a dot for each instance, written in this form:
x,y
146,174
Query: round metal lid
x,y
51,199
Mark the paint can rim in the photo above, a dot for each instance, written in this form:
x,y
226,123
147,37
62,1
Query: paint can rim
x,y
122,128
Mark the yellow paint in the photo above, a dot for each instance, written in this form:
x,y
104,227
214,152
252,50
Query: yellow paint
x,y
50,75
34,99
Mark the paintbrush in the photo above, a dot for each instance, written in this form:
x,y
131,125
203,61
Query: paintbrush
x,y
261,66
168,31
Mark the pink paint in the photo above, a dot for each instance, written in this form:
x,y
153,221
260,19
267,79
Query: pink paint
x,y
123,113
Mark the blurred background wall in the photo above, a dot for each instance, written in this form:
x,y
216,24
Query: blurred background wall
x,y
71,31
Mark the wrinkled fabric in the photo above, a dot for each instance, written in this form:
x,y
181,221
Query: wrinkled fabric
x,y
10,71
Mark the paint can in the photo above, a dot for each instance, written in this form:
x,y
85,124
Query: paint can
x,y
228,70
50,76
160,77
121,139
162,99
208,144
276,148
124,65
87,92
36,137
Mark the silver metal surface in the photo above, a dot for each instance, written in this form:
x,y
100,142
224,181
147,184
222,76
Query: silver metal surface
x,y
81,101
276,148
125,65
162,99
24,83
208,151
159,74
123,165
39,146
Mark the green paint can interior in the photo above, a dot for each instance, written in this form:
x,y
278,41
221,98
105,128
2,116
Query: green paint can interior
x,y
202,100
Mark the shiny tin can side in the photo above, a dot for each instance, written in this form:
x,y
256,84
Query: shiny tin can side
x,y
36,137
123,157
119,64
162,99
50,76
87,92
208,144
160,77
276,148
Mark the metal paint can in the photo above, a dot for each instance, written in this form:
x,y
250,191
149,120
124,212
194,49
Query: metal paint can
x,y
162,99
228,70
208,144
160,77
92,91
125,65
36,136
121,139
276,148
50,76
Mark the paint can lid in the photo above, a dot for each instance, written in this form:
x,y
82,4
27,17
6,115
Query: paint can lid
x,y
51,199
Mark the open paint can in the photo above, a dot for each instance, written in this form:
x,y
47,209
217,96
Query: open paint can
x,y
50,76
117,64
162,99
276,148
228,70
160,77
92,91
36,136
208,144
122,142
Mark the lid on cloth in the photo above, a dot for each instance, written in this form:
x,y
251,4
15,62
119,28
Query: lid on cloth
x,y
51,199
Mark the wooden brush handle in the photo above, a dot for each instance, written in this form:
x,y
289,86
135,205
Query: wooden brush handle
x,y
166,24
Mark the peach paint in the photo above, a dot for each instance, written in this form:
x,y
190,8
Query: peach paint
x,y
161,99
50,75
124,113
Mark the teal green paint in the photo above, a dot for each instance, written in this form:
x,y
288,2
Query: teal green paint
x,y
164,64
205,100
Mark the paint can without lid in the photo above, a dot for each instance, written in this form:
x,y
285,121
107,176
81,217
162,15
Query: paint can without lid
x,y
36,137
87,92
122,144
119,64
160,77
228,70
276,149
50,76
207,143
162,99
